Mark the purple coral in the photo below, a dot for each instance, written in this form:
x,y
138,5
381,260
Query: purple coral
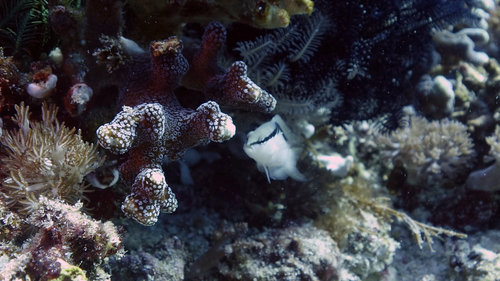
x,y
153,124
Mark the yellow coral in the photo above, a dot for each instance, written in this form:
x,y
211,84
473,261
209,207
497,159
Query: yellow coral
x,y
45,158
430,151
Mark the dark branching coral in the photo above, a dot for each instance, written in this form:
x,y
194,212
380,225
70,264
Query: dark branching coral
x,y
368,52
153,124
44,158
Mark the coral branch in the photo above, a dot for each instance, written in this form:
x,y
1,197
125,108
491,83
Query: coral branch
x,y
237,90
153,124
150,194
204,65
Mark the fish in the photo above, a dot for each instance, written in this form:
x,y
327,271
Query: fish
x,y
272,146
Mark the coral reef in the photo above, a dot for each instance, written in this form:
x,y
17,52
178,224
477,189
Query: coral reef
x,y
283,255
487,178
344,77
471,259
347,45
67,243
153,124
210,259
166,263
358,202
473,263
369,250
44,158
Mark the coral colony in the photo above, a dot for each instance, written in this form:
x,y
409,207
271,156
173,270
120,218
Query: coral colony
x,y
284,137
45,158
153,124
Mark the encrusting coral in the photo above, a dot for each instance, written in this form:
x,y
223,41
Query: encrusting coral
x,y
284,254
44,158
153,124
67,244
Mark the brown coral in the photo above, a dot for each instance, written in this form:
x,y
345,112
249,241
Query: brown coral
x,y
65,244
12,81
44,158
